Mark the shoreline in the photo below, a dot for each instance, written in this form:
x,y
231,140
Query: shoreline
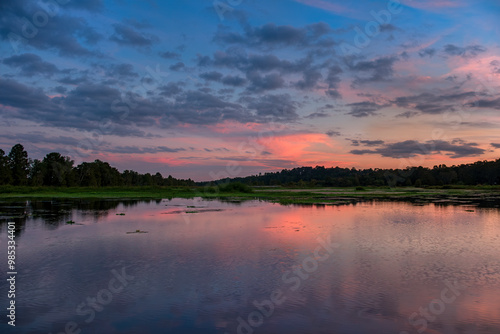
x,y
478,195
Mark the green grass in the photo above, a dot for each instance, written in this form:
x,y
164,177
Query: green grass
x,y
242,192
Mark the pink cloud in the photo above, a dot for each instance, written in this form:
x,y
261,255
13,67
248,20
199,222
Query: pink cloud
x,y
434,4
328,6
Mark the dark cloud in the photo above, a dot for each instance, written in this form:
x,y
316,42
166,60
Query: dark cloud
x,y
364,109
263,72
333,133
387,27
429,52
495,64
333,93
380,69
495,145
60,89
177,66
318,114
470,51
64,33
212,76
484,103
260,83
309,80
274,107
17,95
435,104
170,55
408,114
92,107
121,71
412,148
125,35
68,80
371,142
143,150
31,64
271,36
237,59
333,76
38,137
235,81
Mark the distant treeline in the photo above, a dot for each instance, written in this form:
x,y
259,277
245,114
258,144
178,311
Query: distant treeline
x,y
478,173
57,170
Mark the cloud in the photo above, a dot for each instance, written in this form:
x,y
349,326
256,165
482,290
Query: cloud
x,y
318,114
64,33
235,81
31,64
212,76
380,69
309,80
38,137
274,107
170,89
177,66
122,71
364,109
260,83
470,51
170,55
143,150
495,145
412,148
429,52
333,133
435,104
484,103
271,35
387,27
124,35
20,96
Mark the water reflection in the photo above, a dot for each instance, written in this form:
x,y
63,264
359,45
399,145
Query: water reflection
x,y
215,267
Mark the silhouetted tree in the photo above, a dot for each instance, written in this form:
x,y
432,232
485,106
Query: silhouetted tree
x,y
19,165
5,174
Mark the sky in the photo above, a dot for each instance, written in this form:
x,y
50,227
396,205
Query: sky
x,y
228,88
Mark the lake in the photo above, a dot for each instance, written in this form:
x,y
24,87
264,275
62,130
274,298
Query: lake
x,y
197,266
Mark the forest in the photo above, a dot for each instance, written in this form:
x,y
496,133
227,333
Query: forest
x,y
478,173
56,170
17,169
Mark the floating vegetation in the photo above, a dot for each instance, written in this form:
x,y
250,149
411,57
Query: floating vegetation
x,y
120,214
70,222
137,231
192,211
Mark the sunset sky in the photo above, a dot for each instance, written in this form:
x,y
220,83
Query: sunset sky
x,y
208,89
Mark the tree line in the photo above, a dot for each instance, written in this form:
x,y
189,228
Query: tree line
x,y
478,173
56,170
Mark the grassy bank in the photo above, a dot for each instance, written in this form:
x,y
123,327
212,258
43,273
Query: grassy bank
x,y
275,194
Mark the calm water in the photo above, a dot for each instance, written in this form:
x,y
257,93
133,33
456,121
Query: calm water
x,y
253,267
